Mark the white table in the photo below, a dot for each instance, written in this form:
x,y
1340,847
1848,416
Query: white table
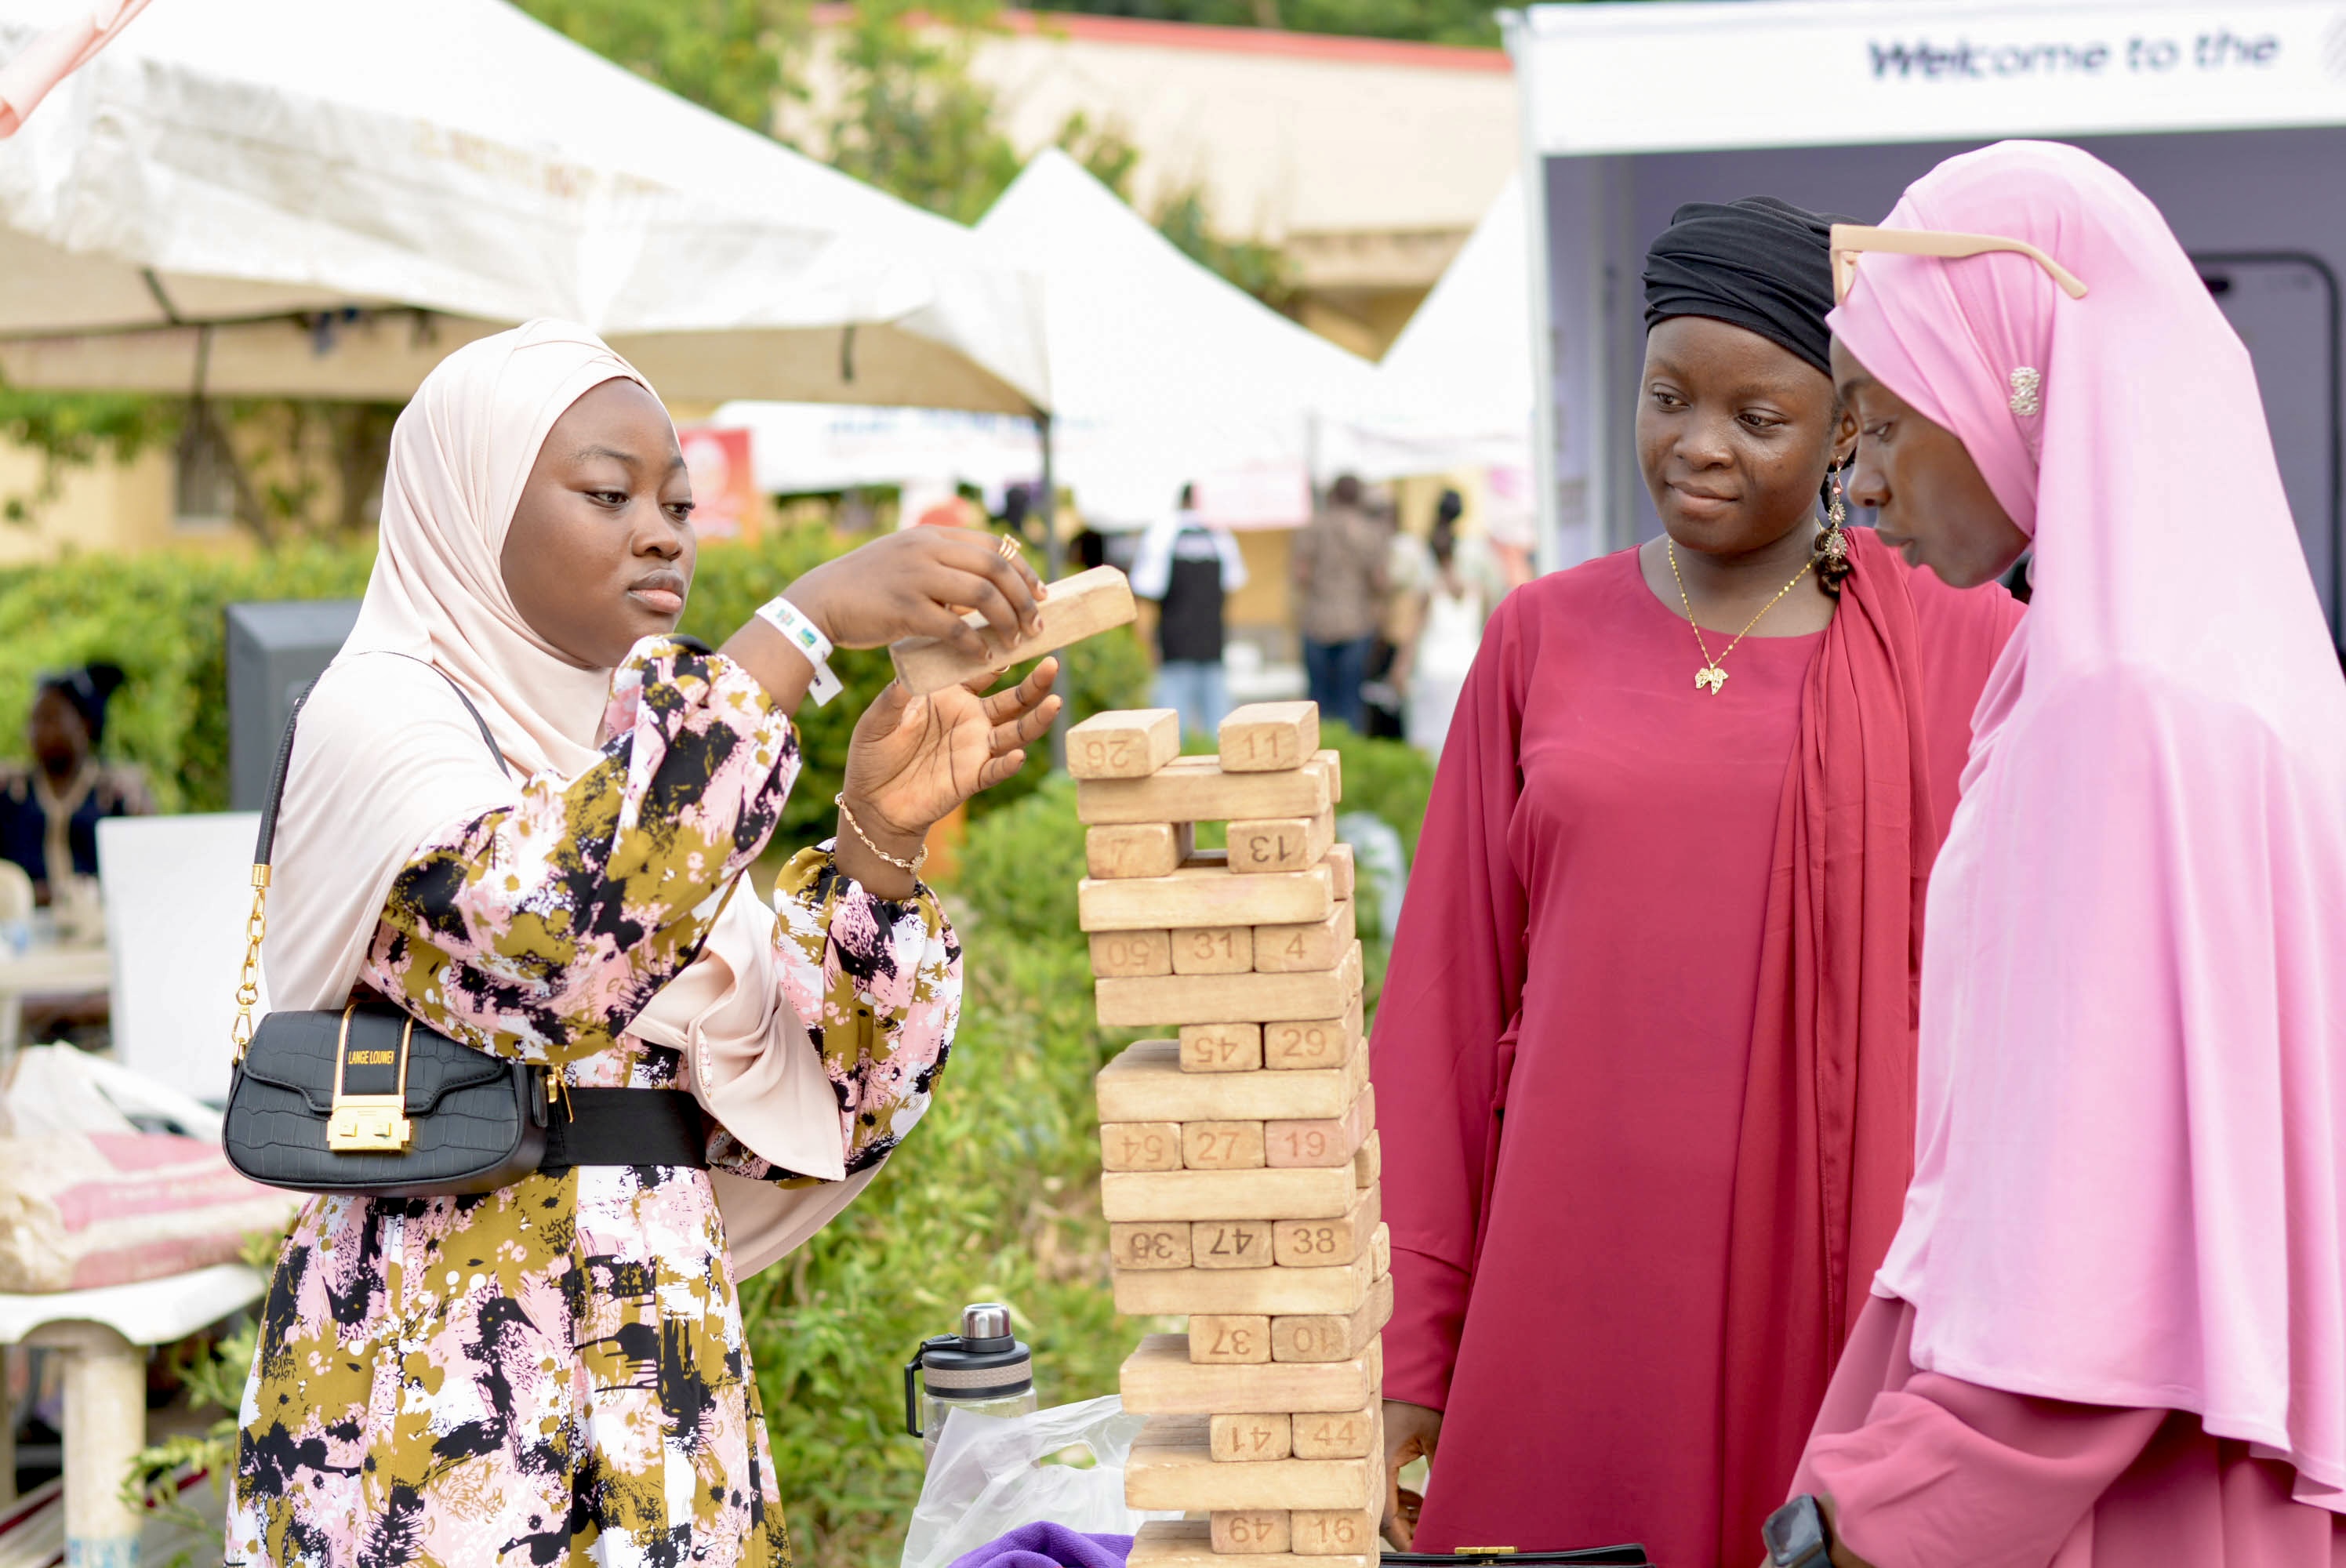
x,y
104,1335
48,968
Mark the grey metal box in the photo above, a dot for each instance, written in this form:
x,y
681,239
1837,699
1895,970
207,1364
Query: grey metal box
x,y
274,651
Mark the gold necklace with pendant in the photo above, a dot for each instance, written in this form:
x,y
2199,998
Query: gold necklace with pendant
x,y
1710,676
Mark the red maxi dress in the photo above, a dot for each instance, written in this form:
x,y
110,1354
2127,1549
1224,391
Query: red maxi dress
x,y
1645,1051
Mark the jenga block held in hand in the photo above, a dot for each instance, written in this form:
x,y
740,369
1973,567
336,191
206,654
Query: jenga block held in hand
x,y
1321,1141
1140,849
1333,1436
1233,1340
1159,1378
1140,1146
1203,896
1327,1243
1132,744
1197,789
1301,948
1146,1084
1177,999
1127,1195
1221,1047
1189,1543
1221,1146
1265,1292
1248,1440
1150,1246
1247,1532
1340,866
1132,954
1295,1045
1280,843
1213,949
1331,1336
1269,737
1223,1245
1171,1465
1320,1533
1076,608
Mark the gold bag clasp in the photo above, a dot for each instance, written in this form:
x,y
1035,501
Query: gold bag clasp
x,y
369,1124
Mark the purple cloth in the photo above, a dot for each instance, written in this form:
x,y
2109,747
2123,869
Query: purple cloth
x,y
1046,1545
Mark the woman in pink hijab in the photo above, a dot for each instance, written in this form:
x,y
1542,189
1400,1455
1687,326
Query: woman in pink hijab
x,y
521,808
2112,1328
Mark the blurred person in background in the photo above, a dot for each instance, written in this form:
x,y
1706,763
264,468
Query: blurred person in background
x,y
1341,573
1190,567
50,809
1645,1053
1450,603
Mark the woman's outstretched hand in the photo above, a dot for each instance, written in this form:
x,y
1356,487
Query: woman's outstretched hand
x,y
913,758
914,583
1412,1432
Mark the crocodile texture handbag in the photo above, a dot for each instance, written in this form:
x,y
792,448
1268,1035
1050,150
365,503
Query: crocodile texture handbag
x,y
365,1101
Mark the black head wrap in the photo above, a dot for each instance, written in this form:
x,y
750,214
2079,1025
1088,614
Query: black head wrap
x,y
1760,264
88,687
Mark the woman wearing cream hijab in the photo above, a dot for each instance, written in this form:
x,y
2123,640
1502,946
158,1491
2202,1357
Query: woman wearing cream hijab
x,y
556,1373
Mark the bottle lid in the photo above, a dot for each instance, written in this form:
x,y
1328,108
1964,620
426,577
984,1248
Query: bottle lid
x,y
986,1320
983,1361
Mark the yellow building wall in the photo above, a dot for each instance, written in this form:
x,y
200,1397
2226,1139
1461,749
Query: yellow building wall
x,y
107,507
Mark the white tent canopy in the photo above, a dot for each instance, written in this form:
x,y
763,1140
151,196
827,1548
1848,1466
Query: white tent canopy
x,y
1161,373
2230,114
342,191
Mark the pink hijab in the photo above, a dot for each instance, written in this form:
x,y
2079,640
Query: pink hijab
x,y
386,758
2131,1162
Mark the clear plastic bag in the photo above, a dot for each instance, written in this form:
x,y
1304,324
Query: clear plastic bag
x,y
990,1477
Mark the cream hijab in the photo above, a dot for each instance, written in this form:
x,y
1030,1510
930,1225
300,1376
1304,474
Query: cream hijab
x,y
386,758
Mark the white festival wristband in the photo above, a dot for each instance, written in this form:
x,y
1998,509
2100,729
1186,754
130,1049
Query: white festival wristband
x,y
807,637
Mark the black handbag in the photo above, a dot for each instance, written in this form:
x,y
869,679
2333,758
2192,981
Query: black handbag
x,y
366,1101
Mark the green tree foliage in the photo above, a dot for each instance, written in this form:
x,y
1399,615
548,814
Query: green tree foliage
x,y
724,55
1422,21
74,429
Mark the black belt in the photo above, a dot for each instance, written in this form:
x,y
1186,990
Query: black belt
x,y
625,1127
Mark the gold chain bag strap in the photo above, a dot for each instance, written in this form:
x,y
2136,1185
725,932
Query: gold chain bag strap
x,y
365,1101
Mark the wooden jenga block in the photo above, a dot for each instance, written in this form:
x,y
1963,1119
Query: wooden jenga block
x,y
1158,1377
1329,763
1346,1436
1171,1465
1331,1336
1381,1248
1211,999
1301,948
1143,850
1318,1244
1140,1146
1323,1140
1203,896
1298,1044
1247,1532
1221,1245
1213,949
1146,1084
1244,1291
1149,1246
1197,789
1131,744
1280,843
1340,866
1269,737
1128,1195
1074,608
1132,953
1251,1438
1234,1339
1189,1543
1368,1164
1221,1047
1221,1146
1320,1533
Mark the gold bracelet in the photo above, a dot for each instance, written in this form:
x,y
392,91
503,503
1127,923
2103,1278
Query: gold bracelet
x,y
912,865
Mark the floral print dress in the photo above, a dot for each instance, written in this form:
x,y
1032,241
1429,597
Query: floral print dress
x,y
555,1373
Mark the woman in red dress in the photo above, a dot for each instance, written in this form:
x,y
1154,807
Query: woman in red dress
x,y
1645,1051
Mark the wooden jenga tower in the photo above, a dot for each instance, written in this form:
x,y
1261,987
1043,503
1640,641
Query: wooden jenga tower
x,y
1241,1159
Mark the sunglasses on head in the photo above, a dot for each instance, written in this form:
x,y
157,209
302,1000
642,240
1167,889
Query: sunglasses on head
x,y
1850,240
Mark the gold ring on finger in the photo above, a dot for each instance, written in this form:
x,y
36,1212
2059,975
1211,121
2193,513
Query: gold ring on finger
x,y
1008,547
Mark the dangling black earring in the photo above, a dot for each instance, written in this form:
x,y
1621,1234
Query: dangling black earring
x,y
1834,543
